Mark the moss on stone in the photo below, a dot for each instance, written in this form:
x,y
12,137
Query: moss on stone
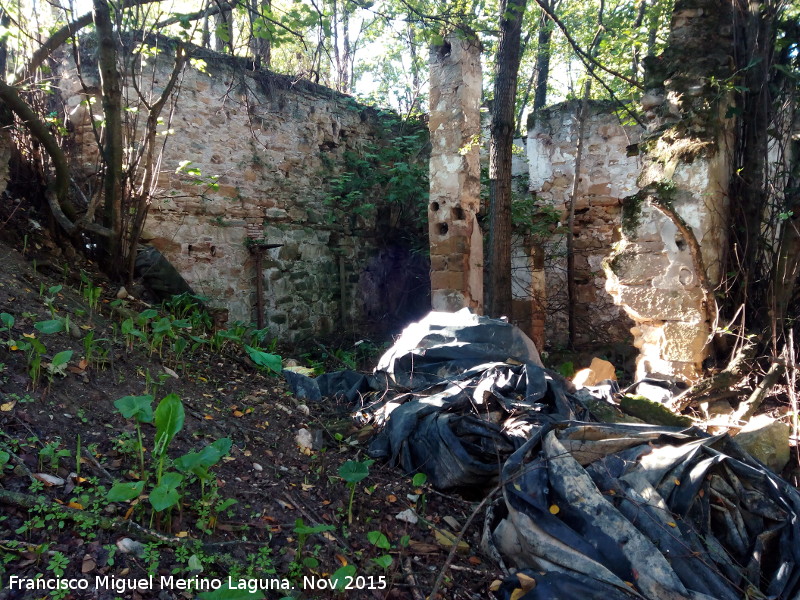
x,y
652,412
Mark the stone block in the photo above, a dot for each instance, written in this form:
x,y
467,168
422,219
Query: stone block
x,y
767,440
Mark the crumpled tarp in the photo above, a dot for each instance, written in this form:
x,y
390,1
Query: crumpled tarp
x,y
587,510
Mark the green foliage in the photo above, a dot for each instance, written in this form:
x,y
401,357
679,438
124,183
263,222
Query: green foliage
x,y
270,362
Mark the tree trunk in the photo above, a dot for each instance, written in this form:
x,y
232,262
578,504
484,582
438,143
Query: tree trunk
x,y
500,154
543,59
112,143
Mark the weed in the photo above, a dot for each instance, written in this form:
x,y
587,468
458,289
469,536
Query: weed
x,y
353,472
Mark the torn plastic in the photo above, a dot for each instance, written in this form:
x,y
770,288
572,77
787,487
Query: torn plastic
x,y
654,512
588,510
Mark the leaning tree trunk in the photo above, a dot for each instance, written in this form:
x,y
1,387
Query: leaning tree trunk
x,y
500,154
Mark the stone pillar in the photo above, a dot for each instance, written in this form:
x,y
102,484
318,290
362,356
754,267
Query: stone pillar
x,y
455,236
664,269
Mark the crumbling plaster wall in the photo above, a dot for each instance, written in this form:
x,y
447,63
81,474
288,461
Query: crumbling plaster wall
x,y
275,146
666,288
607,176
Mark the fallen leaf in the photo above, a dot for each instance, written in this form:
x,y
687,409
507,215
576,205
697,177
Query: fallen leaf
x,y
391,498
342,560
89,564
527,582
49,480
517,594
182,534
77,506
208,417
474,560
83,363
8,406
238,414
495,585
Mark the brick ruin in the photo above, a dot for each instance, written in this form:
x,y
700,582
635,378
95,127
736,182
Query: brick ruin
x,y
456,243
277,147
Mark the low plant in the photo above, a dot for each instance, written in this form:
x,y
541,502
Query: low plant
x,y
353,472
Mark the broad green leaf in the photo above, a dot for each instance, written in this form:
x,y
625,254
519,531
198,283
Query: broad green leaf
x,y
339,577
165,494
7,319
384,562
4,458
169,418
376,538
419,479
122,492
61,358
264,359
354,471
138,407
50,326
199,462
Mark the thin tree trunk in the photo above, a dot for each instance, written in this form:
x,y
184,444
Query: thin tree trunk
x,y
572,297
500,154
542,69
112,143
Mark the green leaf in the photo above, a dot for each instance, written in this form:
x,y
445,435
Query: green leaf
x,y
353,471
199,462
61,358
169,418
165,494
7,320
50,326
384,562
376,538
300,528
226,593
138,407
419,479
4,458
264,359
122,492
339,578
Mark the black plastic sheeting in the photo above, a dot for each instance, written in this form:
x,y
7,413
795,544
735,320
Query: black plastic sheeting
x,y
587,510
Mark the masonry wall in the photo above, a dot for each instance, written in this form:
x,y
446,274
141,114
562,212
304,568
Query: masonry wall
x,y
607,176
275,147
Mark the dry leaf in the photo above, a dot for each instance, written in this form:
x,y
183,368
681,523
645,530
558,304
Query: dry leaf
x,y
89,564
8,406
182,534
238,413
49,480
77,506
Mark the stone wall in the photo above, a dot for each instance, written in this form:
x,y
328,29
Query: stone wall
x,y
276,148
607,176
668,263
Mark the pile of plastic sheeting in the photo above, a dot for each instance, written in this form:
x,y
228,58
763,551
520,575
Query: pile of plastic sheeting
x,y
583,509
627,511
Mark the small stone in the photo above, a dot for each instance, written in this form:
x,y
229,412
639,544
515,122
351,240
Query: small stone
x,y
129,546
412,497
408,516
452,522
258,467
122,293
304,439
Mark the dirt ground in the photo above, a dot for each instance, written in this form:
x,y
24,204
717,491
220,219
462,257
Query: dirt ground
x,y
269,510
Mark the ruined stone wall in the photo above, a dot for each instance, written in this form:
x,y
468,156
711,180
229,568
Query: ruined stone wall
x,y
665,268
276,148
607,176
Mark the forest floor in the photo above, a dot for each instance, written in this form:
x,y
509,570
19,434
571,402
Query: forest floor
x,y
78,486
